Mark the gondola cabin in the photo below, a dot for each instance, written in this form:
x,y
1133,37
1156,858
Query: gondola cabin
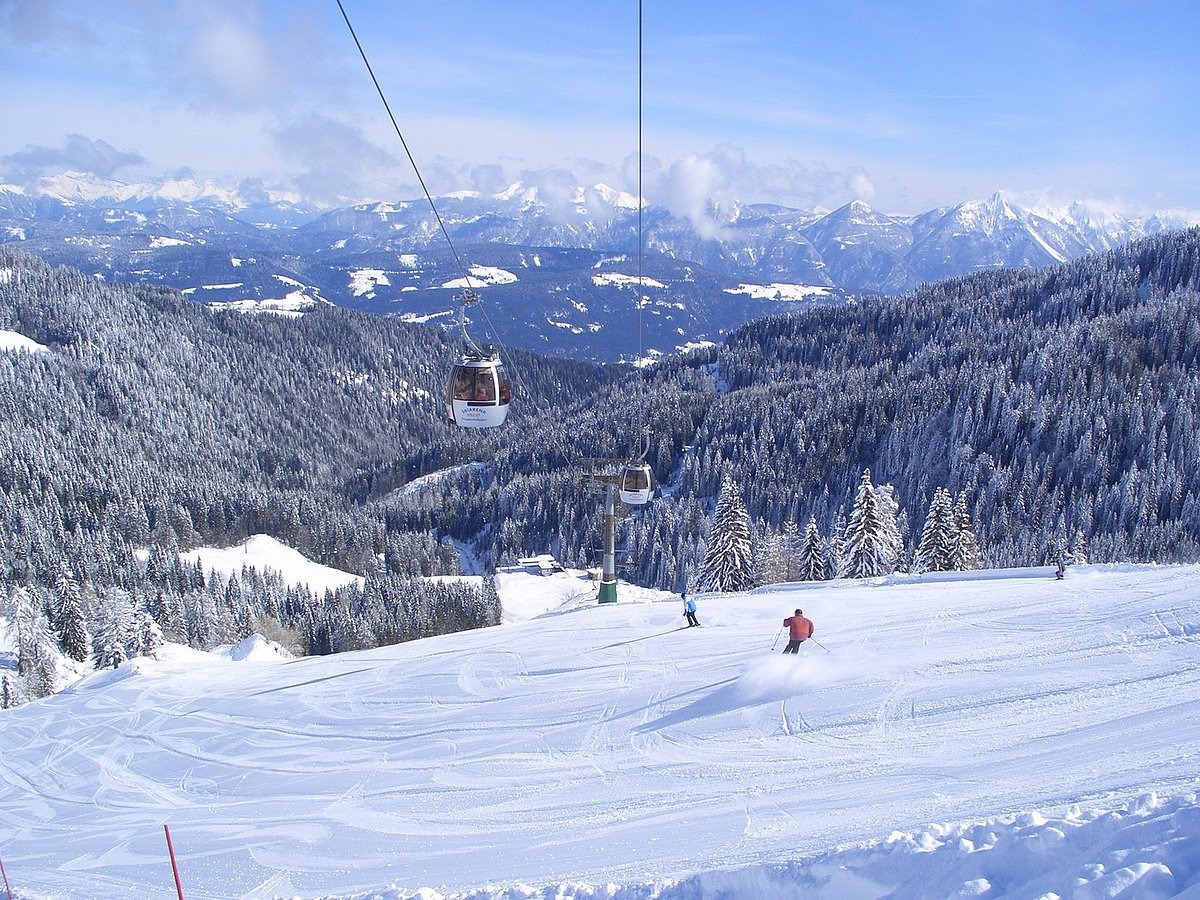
x,y
637,484
478,392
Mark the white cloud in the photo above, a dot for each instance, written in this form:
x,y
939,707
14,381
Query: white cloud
x,y
229,53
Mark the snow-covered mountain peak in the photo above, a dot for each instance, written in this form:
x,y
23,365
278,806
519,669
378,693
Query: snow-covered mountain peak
x,y
615,198
994,210
81,187
518,191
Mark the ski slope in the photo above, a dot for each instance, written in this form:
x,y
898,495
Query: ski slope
x,y
994,734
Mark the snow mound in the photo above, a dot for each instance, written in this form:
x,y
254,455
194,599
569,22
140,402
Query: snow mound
x,y
255,648
1145,849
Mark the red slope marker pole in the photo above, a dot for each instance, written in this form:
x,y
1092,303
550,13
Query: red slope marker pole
x,y
174,868
5,874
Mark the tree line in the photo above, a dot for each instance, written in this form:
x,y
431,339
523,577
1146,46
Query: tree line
x,y
1057,408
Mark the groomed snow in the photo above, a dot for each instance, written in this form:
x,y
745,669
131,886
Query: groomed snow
x,y
988,736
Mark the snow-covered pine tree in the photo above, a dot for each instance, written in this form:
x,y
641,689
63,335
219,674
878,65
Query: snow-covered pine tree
x,y
773,556
792,543
966,548
146,637
837,544
1079,549
895,525
113,629
35,643
728,565
70,619
870,547
939,538
814,558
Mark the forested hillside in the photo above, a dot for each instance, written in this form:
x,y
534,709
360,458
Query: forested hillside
x,y
1057,407
1063,402
154,421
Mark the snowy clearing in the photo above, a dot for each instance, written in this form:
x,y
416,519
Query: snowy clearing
x,y
482,276
364,281
782,292
265,553
620,280
14,342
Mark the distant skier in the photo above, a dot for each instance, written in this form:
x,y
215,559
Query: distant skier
x,y
689,610
800,629
1061,570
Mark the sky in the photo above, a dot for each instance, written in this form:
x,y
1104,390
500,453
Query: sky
x,y
985,734
904,106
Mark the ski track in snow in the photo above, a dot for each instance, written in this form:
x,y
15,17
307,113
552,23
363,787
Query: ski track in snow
x,y
607,745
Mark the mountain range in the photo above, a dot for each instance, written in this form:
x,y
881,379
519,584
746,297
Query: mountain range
x,y
557,275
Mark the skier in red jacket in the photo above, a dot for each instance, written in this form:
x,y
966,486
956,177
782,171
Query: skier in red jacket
x,y
800,629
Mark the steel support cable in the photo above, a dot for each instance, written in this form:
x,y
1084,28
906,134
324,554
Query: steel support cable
x,y
641,286
428,196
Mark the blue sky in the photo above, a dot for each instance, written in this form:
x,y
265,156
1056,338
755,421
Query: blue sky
x,y
906,106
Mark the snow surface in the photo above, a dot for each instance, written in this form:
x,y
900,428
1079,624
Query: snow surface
x,y
482,276
986,736
14,342
778,291
157,242
291,305
436,480
364,281
263,552
621,280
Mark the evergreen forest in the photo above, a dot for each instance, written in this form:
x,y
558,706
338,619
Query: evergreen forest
x,y
1008,418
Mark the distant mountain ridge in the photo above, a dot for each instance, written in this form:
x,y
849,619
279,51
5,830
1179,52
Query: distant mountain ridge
x,y
558,272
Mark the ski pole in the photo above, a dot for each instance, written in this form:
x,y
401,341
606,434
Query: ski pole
x,y
776,641
819,644
7,889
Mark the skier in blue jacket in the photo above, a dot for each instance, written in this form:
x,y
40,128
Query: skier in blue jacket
x,y
689,610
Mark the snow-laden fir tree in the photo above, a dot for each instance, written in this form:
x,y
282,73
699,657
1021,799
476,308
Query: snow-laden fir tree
x,y
895,523
939,538
114,630
791,540
728,564
871,535
70,619
1079,549
35,648
837,543
966,545
814,558
774,557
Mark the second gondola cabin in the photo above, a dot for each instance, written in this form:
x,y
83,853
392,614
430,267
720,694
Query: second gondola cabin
x,y
478,392
637,484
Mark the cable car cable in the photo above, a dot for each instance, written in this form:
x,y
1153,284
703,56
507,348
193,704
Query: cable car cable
x,y
468,295
404,143
641,286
